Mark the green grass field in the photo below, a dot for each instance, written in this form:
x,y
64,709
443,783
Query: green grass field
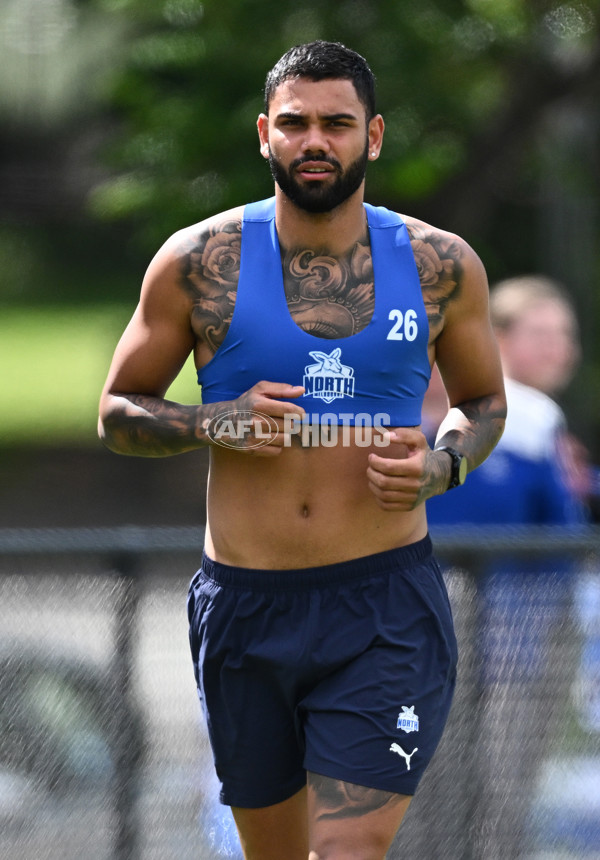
x,y
54,362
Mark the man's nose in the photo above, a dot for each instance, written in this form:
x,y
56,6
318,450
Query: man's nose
x,y
314,140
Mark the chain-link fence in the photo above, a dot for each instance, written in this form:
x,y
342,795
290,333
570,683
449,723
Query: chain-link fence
x,y
103,754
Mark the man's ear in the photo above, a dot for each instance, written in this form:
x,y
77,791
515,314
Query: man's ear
x,y
262,125
376,129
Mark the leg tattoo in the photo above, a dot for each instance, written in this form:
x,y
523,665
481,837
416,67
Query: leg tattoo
x,y
338,799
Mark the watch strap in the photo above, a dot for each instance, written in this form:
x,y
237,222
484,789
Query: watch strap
x,y
458,467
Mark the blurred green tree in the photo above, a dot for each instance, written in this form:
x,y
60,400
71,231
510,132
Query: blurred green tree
x,y
466,89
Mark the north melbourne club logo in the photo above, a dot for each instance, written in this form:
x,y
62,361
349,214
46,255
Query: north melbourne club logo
x,y
328,379
408,721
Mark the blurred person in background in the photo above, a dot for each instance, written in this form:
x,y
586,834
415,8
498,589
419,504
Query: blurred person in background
x,y
538,332
539,474
532,478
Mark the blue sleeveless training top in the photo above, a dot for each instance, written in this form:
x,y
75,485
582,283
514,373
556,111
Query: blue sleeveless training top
x,y
381,370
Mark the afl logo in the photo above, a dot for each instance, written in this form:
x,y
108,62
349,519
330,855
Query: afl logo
x,y
242,429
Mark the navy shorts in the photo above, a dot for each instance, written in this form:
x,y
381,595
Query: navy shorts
x,y
345,670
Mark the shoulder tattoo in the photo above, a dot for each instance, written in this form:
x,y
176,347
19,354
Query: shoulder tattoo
x,y
439,263
210,270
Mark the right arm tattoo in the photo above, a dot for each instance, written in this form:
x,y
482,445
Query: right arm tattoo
x,y
144,425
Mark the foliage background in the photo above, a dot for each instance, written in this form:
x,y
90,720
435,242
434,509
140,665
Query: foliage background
x,y
124,120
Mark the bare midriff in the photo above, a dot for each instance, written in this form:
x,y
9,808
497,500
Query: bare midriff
x,y
302,508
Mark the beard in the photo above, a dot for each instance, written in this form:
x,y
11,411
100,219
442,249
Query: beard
x,y
318,197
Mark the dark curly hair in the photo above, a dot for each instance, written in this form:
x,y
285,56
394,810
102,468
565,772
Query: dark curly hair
x,y
321,60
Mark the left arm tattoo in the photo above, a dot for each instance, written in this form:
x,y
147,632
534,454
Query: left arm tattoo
x,y
479,431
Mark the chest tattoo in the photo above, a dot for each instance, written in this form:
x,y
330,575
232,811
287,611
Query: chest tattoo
x,y
329,297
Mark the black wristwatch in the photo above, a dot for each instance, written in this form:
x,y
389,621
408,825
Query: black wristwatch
x,y
458,473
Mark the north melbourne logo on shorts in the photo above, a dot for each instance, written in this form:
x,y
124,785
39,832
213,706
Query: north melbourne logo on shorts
x,y
329,379
408,721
